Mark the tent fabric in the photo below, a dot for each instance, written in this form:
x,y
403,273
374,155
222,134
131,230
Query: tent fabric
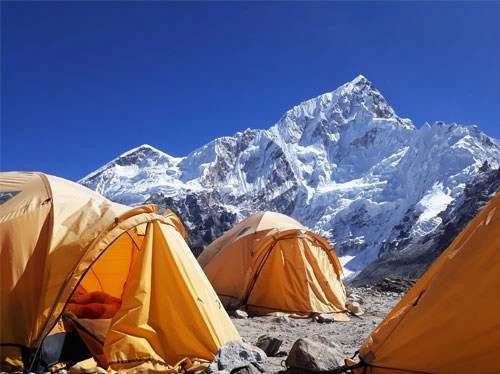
x,y
448,322
177,222
271,263
57,235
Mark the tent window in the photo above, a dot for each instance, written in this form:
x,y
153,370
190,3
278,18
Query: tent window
x,y
7,195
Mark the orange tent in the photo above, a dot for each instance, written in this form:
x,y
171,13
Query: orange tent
x,y
269,262
60,240
448,322
177,222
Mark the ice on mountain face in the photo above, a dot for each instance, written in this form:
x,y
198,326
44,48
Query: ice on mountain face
x,y
428,209
346,272
343,164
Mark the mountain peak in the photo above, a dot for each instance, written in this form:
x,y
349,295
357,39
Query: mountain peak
x,y
360,79
142,148
357,85
360,87
355,104
343,164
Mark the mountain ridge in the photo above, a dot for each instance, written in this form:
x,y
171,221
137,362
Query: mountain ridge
x,y
343,164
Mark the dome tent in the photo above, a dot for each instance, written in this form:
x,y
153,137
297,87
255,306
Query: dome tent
x,y
270,263
448,321
59,238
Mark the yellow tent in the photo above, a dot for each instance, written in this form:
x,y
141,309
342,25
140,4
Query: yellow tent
x,y
60,240
448,322
271,263
177,222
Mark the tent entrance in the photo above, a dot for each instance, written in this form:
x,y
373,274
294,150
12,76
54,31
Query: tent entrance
x,y
62,346
298,270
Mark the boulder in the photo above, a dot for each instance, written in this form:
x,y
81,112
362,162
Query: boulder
x,y
235,356
315,354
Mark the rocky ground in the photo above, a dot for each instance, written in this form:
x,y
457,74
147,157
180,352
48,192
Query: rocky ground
x,y
376,300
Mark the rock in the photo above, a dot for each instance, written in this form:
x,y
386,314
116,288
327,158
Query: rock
x,y
234,356
315,354
269,345
351,297
250,369
353,307
240,314
325,318
283,319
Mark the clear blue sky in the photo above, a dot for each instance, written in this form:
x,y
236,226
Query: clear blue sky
x,y
83,82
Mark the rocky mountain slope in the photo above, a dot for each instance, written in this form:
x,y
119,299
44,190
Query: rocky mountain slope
x,y
343,164
415,256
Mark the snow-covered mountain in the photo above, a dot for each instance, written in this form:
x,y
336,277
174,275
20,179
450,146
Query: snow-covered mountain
x,y
343,164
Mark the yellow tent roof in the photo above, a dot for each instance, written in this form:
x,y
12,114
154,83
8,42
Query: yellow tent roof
x,y
448,322
269,262
177,222
56,235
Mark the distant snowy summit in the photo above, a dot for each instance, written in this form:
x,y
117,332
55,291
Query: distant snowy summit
x,y
343,164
